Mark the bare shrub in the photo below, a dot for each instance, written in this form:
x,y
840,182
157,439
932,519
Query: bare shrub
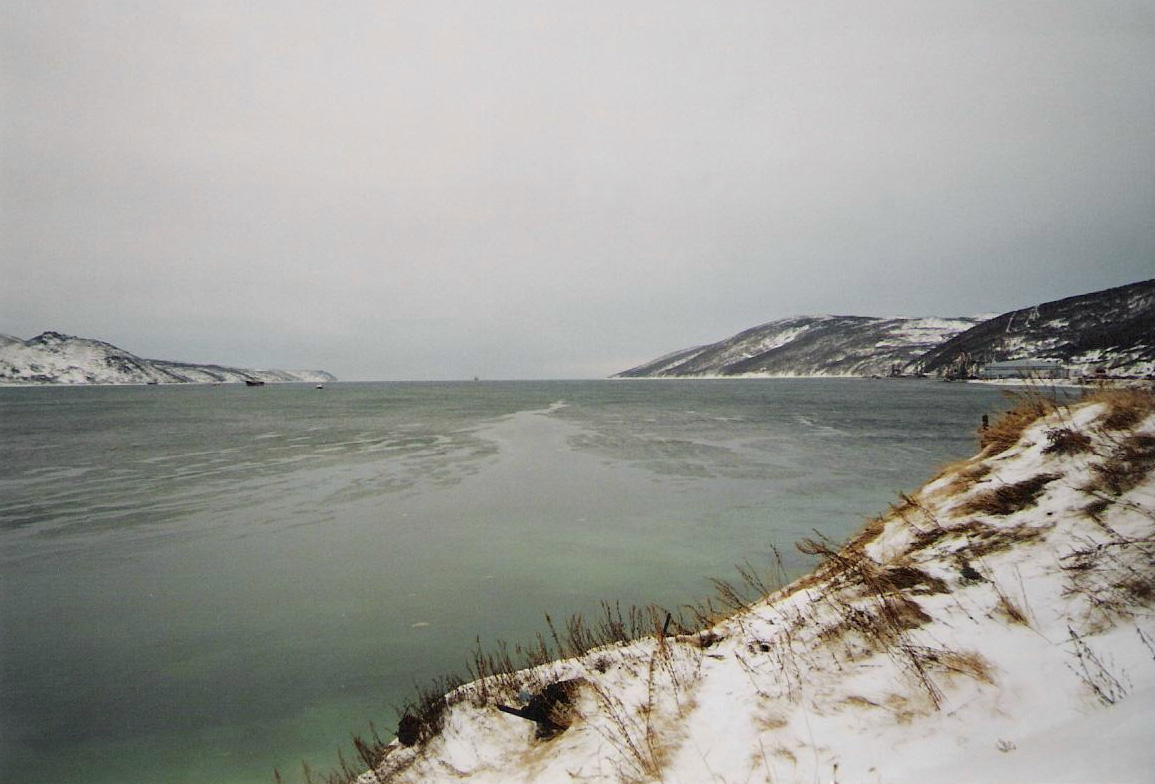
x,y
1126,466
1114,579
1065,441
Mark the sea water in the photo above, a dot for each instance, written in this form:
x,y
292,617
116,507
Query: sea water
x,y
201,584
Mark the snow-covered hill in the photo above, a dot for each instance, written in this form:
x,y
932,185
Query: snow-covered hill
x,y
1112,329
998,625
812,346
53,358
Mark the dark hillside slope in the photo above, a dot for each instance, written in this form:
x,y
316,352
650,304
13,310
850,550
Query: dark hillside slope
x,y
1114,328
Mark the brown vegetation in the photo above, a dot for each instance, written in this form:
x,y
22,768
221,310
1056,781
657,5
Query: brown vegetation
x,y
1008,499
1127,465
1126,407
983,539
1065,441
1006,430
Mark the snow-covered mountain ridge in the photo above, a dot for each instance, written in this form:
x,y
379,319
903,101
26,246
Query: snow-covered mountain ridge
x,y
997,625
812,346
53,358
1112,329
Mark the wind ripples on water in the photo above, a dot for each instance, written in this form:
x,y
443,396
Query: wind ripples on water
x,y
157,486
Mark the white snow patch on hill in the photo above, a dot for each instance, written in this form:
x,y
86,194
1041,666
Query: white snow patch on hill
x,y
53,358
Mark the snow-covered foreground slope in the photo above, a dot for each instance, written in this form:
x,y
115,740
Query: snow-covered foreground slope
x,y
996,626
53,358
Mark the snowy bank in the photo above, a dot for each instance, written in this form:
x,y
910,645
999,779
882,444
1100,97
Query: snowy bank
x,y
995,626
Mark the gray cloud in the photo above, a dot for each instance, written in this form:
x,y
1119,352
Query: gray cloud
x,y
438,189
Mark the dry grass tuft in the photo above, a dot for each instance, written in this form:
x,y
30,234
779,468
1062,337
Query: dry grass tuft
x,y
860,702
1008,609
904,613
1126,466
925,539
423,715
982,539
967,663
872,530
701,640
912,579
1126,407
769,722
1097,507
1008,499
1065,441
967,476
1006,430
874,615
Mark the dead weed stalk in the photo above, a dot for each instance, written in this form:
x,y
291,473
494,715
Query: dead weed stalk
x,y
1095,675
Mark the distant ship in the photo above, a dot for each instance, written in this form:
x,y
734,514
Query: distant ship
x,y
254,382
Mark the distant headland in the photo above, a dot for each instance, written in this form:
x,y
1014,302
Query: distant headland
x,y
54,358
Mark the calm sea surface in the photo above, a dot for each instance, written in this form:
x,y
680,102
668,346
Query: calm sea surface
x,y
199,584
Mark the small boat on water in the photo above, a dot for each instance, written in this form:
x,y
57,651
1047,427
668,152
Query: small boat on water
x,y
254,382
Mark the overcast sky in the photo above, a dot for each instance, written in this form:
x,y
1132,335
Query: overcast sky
x,y
516,189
